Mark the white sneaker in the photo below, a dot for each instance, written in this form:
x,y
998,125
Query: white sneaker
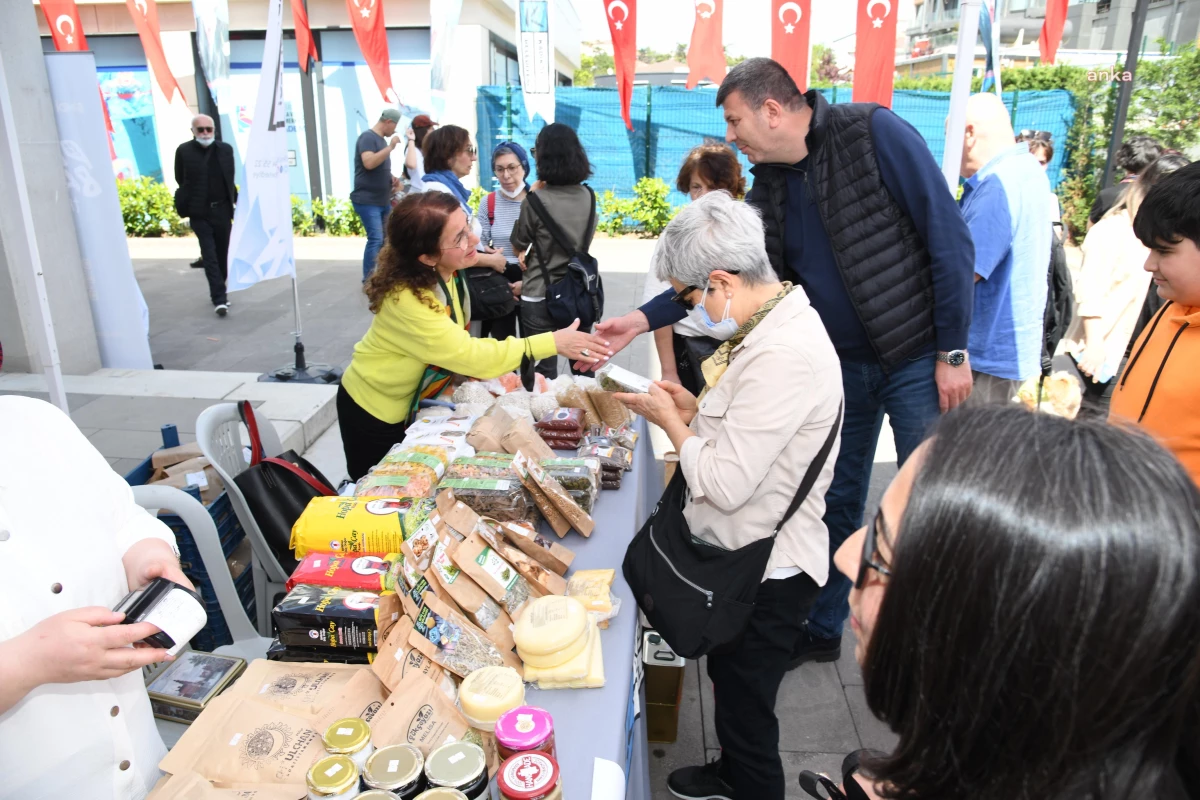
x,y
222,309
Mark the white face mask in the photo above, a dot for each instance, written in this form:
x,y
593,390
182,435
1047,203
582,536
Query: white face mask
x,y
512,195
721,331
205,141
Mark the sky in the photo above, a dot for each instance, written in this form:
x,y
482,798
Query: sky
x,y
663,23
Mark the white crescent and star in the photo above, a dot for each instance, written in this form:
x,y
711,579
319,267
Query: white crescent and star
x,y
140,5
790,27
58,23
617,23
878,21
712,7
366,12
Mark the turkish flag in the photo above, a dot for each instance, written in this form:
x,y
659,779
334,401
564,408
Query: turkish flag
x,y
145,19
306,48
366,17
622,24
875,52
790,36
65,26
706,54
1052,30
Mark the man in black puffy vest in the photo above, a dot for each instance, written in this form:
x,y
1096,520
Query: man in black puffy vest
x,y
857,212
206,195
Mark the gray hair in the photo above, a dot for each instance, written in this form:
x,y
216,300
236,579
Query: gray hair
x,y
758,80
714,232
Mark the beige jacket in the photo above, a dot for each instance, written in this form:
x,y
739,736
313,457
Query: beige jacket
x,y
758,430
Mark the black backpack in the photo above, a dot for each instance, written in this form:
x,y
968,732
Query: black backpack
x,y
1059,302
580,294
491,294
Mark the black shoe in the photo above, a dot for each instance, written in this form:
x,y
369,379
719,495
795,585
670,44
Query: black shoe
x,y
700,783
222,309
198,263
815,648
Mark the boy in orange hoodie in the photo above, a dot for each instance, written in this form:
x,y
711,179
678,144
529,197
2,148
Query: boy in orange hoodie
x,y
1160,387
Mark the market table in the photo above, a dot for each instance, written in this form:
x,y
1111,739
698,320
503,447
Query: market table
x,y
608,723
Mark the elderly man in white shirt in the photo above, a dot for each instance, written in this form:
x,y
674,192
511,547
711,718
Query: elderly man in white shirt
x,y
773,392
75,721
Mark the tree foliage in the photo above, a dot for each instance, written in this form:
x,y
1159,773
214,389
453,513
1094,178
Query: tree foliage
x,y
1166,99
824,69
646,213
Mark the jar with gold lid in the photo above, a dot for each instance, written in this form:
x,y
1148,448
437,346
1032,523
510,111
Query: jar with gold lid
x,y
333,778
350,737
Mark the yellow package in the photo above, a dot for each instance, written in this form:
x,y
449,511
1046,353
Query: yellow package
x,y
592,587
358,525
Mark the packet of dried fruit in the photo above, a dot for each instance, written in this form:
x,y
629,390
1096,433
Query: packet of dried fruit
x,y
579,519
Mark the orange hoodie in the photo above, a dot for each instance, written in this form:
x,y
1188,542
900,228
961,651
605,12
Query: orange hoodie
x,y
1160,387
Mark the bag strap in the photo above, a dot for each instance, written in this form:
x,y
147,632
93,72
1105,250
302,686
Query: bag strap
x,y
491,207
302,475
257,451
591,226
814,470
556,231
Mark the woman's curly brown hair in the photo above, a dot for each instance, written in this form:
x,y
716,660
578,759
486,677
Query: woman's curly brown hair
x,y
414,229
717,165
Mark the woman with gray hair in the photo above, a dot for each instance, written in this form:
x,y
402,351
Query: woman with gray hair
x,y
772,398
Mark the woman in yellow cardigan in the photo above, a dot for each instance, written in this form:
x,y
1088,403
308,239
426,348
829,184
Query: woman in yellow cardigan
x,y
419,335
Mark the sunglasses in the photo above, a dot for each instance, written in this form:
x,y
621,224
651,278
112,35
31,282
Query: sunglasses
x,y
871,559
470,150
204,130
680,298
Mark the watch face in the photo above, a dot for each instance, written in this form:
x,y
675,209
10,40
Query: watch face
x,y
957,358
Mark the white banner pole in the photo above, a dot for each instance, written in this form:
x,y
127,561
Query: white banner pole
x,y
960,90
26,249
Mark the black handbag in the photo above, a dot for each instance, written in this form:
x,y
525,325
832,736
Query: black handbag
x,y
277,490
491,293
697,595
580,293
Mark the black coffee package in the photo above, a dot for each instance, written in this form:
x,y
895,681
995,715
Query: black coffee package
x,y
328,617
317,655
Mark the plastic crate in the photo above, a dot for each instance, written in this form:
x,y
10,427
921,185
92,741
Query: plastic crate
x,y
216,632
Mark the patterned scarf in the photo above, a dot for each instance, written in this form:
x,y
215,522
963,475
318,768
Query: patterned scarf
x,y
714,367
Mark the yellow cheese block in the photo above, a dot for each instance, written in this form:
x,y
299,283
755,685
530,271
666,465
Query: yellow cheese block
x,y
550,624
592,588
574,669
557,659
487,693
595,675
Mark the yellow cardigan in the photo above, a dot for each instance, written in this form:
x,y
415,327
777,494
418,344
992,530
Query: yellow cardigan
x,y
407,335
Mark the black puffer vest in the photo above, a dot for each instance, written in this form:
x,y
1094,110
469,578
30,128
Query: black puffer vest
x,y
881,257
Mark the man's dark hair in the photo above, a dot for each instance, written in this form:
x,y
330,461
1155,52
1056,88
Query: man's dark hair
x,y
1039,626
1171,211
442,145
1137,153
561,159
758,80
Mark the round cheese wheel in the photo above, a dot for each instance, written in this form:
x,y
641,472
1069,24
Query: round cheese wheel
x,y
558,658
487,693
549,624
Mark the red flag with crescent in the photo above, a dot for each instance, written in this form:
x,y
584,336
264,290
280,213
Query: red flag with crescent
x,y
306,48
622,24
145,20
65,26
1052,30
790,21
875,52
706,53
366,17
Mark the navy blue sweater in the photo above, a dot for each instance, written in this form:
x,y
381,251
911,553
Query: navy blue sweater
x,y
915,181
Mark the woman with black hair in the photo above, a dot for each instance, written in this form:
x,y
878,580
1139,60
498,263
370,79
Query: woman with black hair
x,y
1027,608
562,167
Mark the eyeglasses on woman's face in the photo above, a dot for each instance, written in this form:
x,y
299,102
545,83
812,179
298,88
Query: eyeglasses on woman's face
x,y
871,557
461,242
469,150
681,298
512,169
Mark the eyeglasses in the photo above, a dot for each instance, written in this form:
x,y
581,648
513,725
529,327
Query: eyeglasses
x,y
204,130
533,152
1036,136
871,559
680,298
461,242
470,150
506,170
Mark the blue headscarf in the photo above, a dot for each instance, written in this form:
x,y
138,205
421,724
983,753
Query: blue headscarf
x,y
448,179
517,151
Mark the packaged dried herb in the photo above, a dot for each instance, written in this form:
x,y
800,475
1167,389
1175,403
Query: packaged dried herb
x,y
579,474
476,604
497,577
395,486
611,410
454,642
613,378
557,520
418,548
580,520
495,497
480,467
398,658
418,713
547,552
609,457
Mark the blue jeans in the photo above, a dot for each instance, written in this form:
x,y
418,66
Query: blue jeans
x,y
909,396
373,219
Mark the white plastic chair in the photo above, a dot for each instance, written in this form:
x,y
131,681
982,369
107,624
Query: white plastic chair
x,y
218,432
247,643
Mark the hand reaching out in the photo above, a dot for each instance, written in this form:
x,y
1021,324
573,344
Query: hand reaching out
x,y
620,331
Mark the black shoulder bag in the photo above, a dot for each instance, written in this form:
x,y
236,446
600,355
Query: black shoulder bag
x,y
580,294
698,596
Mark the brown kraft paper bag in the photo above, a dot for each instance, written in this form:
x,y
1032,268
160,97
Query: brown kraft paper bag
x,y
476,604
521,436
453,642
308,690
559,523
580,520
486,434
397,659
190,786
547,552
238,742
420,714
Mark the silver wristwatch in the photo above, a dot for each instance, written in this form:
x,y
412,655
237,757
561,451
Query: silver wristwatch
x,y
955,358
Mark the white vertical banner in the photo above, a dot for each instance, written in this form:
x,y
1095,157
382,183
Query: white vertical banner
x,y
212,42
118,309
260,246
535,54
443,19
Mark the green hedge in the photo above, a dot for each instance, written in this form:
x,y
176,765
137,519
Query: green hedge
x,y
646,213
148,209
